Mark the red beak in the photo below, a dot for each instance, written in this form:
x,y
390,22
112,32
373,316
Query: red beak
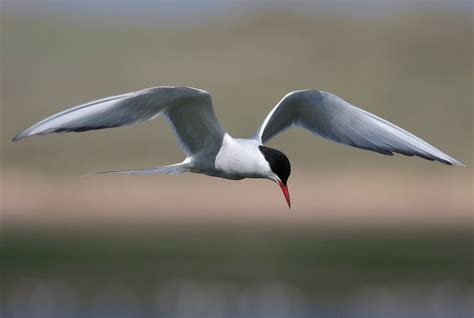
x,y
284,188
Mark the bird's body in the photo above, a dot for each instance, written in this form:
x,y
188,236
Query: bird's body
x,y
210,150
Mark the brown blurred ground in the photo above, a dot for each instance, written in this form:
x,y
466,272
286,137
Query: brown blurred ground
x,y
367,197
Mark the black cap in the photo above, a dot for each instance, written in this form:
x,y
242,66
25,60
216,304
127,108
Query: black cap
x,y
278,162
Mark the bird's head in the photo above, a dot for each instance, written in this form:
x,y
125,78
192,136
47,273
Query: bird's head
x,y
281,169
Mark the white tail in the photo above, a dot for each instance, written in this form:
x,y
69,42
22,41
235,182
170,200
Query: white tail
x,y
176,169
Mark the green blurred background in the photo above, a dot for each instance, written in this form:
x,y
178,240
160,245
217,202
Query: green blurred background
x,y
367,236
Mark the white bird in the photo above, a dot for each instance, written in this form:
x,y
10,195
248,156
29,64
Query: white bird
x,y
212,151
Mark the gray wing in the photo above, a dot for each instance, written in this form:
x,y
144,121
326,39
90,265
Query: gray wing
x,y
188,110
333,118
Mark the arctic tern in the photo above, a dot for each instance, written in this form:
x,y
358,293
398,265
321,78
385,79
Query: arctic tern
x,y
210,150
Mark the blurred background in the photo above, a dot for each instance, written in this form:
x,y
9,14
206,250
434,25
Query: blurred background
x,y
367,236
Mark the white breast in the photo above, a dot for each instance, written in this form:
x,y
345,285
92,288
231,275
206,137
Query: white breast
x,y
241,158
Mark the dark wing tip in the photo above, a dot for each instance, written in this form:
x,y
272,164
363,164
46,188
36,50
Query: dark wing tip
x,y
451,163
18,137
443,161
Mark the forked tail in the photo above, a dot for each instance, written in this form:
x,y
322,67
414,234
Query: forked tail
x,y
175,170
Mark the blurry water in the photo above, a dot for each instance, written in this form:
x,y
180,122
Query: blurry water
x,y
189,298
236,272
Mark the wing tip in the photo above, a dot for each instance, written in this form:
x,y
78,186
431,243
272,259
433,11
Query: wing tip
x,y
450,162
458,163
19,137
28,133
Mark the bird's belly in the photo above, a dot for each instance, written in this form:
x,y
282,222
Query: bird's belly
x,y
219,172
226,175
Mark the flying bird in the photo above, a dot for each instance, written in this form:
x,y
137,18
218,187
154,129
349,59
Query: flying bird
x,y
210,150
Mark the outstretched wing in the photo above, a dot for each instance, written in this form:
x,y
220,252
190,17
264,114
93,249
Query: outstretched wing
x,y
188,110
333,118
